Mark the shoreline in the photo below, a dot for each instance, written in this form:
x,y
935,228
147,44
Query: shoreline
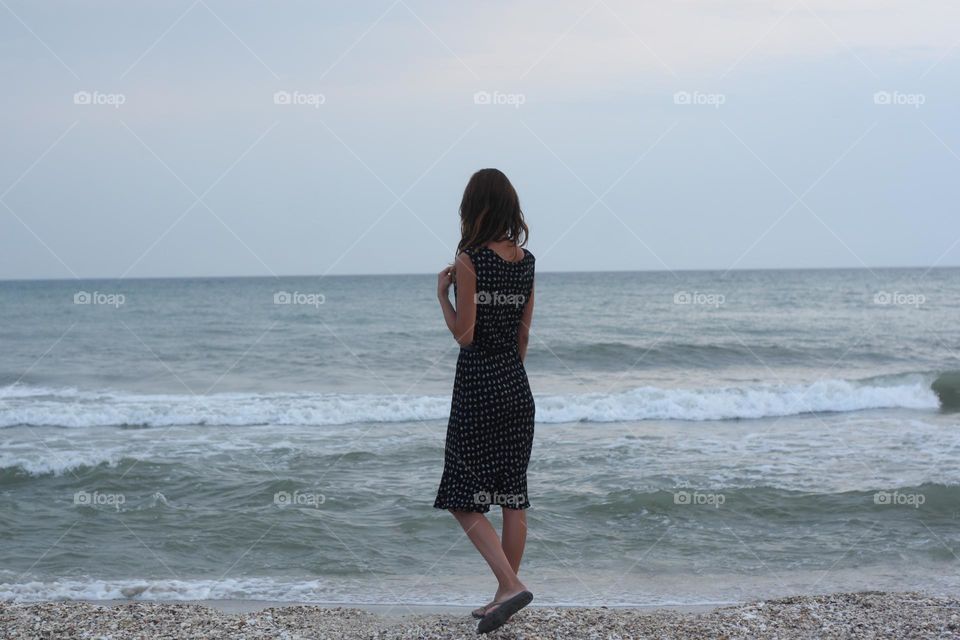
x,y
839,615
236,607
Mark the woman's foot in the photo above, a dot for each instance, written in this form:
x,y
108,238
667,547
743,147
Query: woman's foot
x,y
498,597
497,615
479,612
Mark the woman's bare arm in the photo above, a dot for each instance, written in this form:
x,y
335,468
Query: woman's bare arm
x,y
523,332
460,321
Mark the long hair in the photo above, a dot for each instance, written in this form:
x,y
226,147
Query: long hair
x,y
490,211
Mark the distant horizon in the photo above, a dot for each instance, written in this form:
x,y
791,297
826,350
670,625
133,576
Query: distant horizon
x,y
539,271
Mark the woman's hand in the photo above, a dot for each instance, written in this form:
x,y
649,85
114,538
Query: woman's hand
x,y
459,319
444,280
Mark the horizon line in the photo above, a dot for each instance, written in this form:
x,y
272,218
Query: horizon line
x,y
424,273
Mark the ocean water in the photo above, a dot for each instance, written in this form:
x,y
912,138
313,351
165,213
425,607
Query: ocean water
x,y
701,437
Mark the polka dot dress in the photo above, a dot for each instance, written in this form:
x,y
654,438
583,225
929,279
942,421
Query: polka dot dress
x,y
490,432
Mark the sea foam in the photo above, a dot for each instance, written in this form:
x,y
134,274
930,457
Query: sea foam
x,y
72,408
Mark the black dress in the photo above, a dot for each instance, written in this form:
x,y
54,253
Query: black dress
x,y
490,432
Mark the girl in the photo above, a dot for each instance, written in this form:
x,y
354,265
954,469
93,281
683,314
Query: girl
x,y
490,432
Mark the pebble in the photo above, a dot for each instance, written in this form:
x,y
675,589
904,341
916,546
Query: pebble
x,y
834,616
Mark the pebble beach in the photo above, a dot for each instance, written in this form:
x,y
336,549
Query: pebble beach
x,y
842,615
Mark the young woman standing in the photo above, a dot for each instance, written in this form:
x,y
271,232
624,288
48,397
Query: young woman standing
x,y
490,432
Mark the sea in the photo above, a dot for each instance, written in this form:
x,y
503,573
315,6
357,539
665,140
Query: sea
x,y
702,437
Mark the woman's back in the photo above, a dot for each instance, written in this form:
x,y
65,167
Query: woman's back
x,y
503,288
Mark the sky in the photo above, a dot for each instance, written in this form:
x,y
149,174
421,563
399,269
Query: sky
x,y
228,138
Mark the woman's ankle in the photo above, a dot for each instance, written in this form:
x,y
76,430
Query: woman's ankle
x,y
513,587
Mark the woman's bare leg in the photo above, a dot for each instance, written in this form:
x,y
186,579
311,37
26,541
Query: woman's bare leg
x,y
514,536
484,538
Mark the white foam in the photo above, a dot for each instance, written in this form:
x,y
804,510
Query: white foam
x,y
761,401
43,460
341,591
72,408
353,591
229,589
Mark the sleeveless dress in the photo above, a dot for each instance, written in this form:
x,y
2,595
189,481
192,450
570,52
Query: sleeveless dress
x,y
490,432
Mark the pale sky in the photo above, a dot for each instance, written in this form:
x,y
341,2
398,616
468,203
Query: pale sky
x,y
701,134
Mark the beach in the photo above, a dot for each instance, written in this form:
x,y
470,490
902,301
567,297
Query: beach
x,y
291,291
851,615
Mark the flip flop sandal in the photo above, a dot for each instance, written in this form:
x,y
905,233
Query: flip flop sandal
x,y
499,616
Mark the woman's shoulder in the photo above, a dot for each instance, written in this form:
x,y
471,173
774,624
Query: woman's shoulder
x,y
484,253
476,254
469,256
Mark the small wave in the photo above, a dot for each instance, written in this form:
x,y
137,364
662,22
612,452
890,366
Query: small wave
x,y
340,592
89,409
57,463
615,355
78,409
167,590
28,391
748,402
947,388
343,591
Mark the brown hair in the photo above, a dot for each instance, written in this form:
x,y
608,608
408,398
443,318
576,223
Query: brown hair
x,y
490,211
